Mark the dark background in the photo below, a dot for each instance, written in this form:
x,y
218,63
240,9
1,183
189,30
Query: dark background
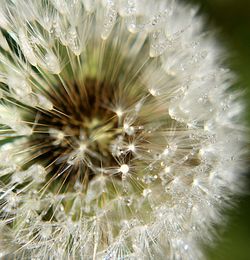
x,y
231,18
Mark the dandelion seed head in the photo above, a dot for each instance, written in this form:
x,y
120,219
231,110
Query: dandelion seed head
x,y
120,137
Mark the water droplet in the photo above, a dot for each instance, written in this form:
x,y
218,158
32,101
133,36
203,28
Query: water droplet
x,y
146,192
124,169
128,201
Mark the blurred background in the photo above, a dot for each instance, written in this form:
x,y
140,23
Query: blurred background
x,y
232,19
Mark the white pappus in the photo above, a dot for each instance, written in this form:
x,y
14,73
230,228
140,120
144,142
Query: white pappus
x,y
120,137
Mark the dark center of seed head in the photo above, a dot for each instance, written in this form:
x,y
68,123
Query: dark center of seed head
x,y
77,140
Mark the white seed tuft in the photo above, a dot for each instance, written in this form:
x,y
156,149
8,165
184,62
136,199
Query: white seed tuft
x,y
120,138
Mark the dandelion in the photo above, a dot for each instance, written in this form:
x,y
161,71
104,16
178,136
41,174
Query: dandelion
x,y
119,137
